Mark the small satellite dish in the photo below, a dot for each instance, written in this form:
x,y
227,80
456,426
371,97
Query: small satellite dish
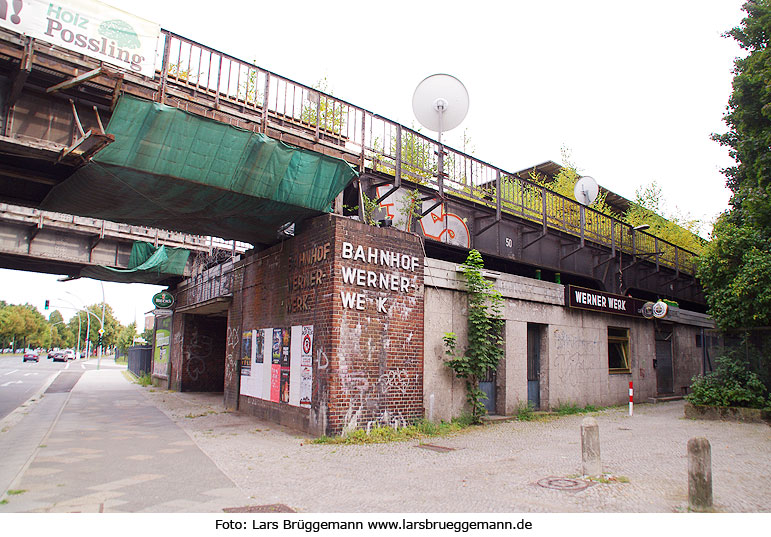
x,y
440,103
586,190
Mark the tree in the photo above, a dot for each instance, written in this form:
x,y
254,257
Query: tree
x,y
24,325
126,336
735,268
61,335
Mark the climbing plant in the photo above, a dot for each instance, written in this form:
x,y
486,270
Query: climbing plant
x,y
485,339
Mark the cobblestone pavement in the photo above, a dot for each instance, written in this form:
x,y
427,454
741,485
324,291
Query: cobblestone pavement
x,y
496,468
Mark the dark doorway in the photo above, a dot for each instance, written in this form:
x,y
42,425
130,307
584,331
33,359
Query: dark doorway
x,y
534,365
663,361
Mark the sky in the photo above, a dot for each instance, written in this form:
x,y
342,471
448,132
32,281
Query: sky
x,y
631,90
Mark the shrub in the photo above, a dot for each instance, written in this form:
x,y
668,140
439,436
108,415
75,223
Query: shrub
x,y
730,384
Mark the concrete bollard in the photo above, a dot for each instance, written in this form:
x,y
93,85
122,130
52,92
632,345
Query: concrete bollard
x,y
590,447
699,474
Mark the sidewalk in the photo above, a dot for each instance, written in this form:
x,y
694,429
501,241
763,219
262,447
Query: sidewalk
x,y
118,447
110,450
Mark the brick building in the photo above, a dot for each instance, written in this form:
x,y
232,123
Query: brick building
x,y
340,328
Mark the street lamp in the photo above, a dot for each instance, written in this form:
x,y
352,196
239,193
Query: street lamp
x,y
88,328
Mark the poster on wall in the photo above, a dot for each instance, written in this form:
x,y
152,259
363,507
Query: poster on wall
x,y
246,353
306,366
87,27
162,347
286,355
275,370
259,344
300,366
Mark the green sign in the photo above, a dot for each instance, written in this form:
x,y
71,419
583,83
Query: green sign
x,y
164,299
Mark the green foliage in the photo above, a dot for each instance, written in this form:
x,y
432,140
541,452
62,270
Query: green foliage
x,y
735,271
320,109
145,380
411,210
485,342
380,435
736,267
730,384
568,409
370,208
647,208
524,411
23,325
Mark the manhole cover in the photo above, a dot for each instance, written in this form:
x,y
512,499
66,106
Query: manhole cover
x,y
433,447
272,508
564,483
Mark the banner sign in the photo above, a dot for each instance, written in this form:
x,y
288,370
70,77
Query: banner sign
x,y
89,27
591,299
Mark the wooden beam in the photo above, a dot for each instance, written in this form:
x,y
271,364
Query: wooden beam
x,y
72,82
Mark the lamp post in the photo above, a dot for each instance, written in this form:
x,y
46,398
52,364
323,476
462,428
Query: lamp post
x,y
88,327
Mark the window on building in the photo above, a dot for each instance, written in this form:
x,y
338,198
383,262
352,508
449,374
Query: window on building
x,y
618,350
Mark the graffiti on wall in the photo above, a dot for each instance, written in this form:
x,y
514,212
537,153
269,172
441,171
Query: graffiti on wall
x,y
199,351
437,224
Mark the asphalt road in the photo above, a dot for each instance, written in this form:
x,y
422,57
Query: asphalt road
x,y
20,380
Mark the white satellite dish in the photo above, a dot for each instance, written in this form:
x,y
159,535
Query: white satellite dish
x,y
440,103
586,190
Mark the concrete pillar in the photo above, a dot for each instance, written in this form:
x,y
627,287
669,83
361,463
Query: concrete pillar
x,y
699,474
590,447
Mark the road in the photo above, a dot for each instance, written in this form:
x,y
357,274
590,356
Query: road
x,y
20,380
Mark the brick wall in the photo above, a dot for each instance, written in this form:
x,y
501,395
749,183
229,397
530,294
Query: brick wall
x,y
367,333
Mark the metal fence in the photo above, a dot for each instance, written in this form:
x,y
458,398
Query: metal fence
x,y
386,146
140,360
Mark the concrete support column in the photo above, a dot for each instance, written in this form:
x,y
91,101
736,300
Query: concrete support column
x,y
590,447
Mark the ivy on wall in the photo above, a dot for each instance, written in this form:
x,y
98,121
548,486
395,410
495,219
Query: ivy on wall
x,y
485,338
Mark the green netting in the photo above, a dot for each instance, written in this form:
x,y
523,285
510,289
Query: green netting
x,y
147,264
174,170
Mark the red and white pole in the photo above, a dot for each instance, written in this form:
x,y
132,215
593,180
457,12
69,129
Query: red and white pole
x,y
631,398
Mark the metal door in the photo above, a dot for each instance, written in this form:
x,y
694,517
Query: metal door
x,y
487,385
534,365
663,361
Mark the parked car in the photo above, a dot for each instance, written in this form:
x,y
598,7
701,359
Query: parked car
x,y
31,356
69,354
57,356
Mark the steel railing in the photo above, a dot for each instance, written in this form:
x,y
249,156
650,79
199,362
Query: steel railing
x,y
383,145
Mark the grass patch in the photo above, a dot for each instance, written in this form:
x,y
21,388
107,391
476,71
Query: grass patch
x,y
145,380
3,502
524,412
381,435
15,492
567,409
201,415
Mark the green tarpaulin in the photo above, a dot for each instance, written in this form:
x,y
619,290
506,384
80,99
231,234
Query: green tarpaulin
x,y
147,264
174,170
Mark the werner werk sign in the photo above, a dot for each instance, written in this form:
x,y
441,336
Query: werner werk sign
x,y
590,299
88,27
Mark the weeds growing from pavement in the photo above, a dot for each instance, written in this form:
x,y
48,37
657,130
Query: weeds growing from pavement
x,y
567,409
380,435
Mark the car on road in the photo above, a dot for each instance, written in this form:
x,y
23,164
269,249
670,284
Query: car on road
x,y
31,356
57,356
69,354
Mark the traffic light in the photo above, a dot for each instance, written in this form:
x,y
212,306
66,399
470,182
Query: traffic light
x,y
46,304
